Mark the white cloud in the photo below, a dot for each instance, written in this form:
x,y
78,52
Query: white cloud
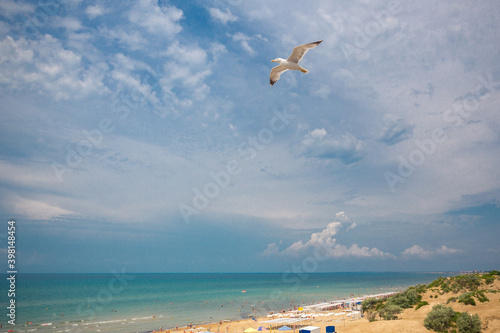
x,y
221,16
69,23
9,8
193,55
319,133
262,13
35,209
131,40
418,251
345,148
216,50
160,20
352,226
44,65
324,242
445,250
94,11
245,39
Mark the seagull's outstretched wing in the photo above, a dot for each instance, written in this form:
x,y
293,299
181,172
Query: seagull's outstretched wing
x,y
299,51
276,72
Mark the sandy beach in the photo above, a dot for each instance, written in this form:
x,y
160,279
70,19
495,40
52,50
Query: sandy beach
x,y
410,320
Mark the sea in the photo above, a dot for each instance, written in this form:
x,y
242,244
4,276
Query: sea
x,y
124,302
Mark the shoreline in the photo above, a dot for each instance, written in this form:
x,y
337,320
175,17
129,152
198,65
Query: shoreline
x,y
410,320
334,307
152,310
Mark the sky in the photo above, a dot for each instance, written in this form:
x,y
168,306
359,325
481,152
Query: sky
x,y
143,136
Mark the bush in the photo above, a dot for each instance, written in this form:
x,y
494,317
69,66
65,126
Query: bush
x,y
413,296
421,304
451,299
390,312
468,324
369,304
420,288
399,300
446,288
436,283
488,279
440,318
482,297
405,299
468,281
467,299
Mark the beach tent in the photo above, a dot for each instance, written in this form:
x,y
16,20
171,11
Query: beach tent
x,y
250,330
330,329
310,329
262,328
284,328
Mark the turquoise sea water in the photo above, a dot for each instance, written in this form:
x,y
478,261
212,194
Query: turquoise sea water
x,y
143,302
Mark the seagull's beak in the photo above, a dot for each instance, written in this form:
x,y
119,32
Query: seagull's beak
x,y
273,60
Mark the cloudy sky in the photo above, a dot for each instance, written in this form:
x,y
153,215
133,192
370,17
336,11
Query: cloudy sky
x,y
145,135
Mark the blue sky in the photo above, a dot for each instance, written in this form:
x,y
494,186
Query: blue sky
x,y
144,135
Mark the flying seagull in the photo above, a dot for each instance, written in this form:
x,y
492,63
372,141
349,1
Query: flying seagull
x,y
292,62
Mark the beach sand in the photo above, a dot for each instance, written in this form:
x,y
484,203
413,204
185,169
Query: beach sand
x,y
411,320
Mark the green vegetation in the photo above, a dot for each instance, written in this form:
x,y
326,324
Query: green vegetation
x,y
406,299
389,308
370,304
390,311
481,296
440,319
467,299
490,277
470,283
421,304
469,323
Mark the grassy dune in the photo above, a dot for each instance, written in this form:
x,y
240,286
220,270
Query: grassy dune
x,y
464,303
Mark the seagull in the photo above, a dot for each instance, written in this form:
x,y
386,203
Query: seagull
x,y
292,62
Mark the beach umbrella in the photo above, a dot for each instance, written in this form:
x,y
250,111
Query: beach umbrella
x,y
262,328
249,330
284,328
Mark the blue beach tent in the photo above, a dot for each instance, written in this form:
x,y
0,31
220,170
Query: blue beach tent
x,y
284,328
